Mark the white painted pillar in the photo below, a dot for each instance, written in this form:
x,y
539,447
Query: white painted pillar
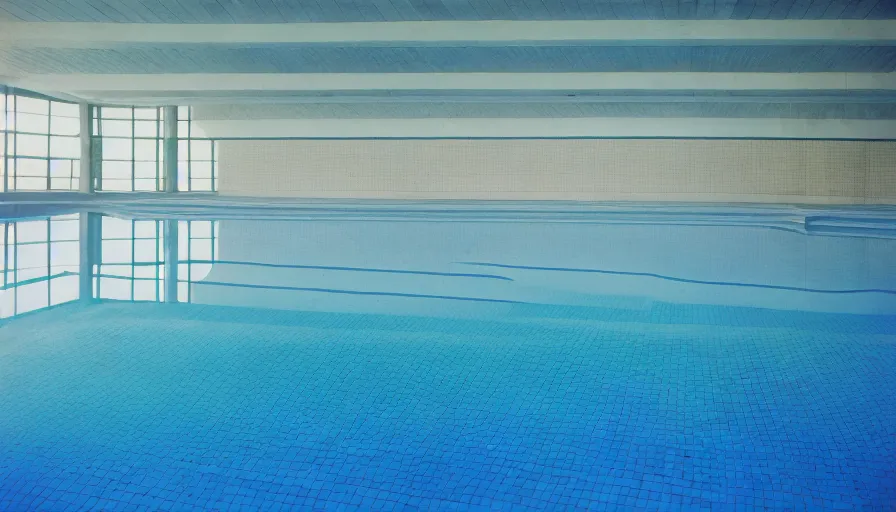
x,y
89,242
87,181
5,186
171,255
170,149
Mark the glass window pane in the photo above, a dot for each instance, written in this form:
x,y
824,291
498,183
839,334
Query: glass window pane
x,y
3,111
183,292
32,296
183,241
116,228
31,231
63,184
183,129
146,229
65,147
183,113
65,229
113,128
64,125
110,185
33,123
199,271
116,113
200,250
144,185
61,108
200,229
64,289
146,170
182,176
64,254
117,269
145,250
200,150
62,168
31,145
201,170
145,290
117,171
145,150
147,129
27,272
116,251
32,105
146,113
147,271
31,167
33,256
116,149
31,184
203,185
115,289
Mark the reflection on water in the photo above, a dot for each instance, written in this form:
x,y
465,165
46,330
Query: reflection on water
x,y
389,266
131,259
557,361
40,263
125,259
418,267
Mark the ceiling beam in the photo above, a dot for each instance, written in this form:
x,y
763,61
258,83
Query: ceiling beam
x,y
121,87
550,128
633,32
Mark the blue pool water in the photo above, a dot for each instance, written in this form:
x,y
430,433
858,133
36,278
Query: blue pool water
x,y
445,357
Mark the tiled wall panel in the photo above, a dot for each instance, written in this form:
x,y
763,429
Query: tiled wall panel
x,y
587,169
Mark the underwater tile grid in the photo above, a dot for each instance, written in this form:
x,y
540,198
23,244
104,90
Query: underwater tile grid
x,y
579,372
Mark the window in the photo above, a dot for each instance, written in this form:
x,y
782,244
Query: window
x,y
197,251
39,145
132,142
130,145
196,154
132,258
40,259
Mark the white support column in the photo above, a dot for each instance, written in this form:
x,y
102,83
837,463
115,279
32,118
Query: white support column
x,y
4,187
170,149
171,259
89,248
86,183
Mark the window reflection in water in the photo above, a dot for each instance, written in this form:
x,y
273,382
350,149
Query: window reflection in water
x,y
132,258
41,260
40,263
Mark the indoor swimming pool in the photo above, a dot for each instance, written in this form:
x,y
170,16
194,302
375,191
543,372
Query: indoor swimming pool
x,y
201,354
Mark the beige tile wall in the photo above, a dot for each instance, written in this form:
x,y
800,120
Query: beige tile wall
x,y
584,169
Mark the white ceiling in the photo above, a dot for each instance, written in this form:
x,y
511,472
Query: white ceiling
x,y
584,70
302,11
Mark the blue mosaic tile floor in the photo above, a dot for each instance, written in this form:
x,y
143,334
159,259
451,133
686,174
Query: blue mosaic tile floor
x,y
176,407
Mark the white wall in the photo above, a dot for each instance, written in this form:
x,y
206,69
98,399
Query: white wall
x,y
572,169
